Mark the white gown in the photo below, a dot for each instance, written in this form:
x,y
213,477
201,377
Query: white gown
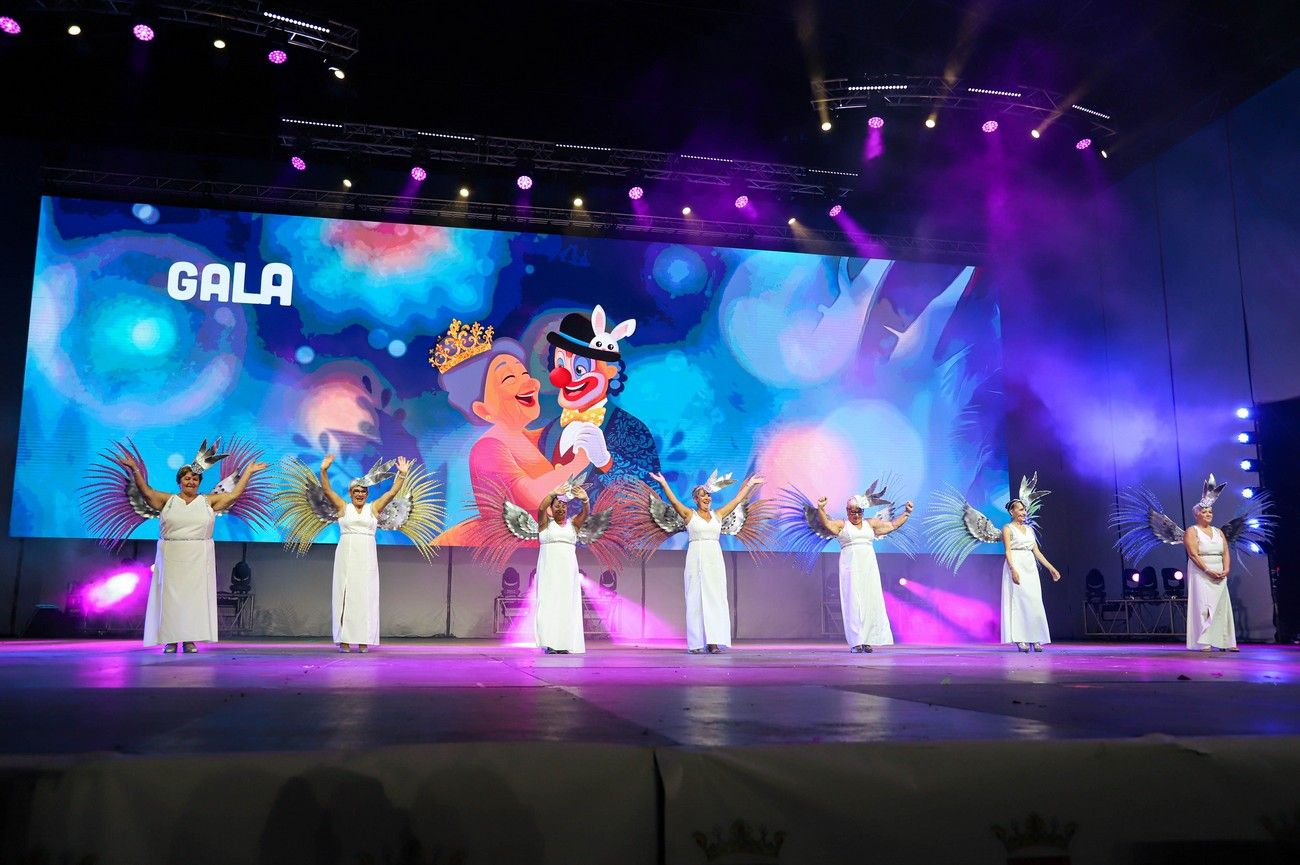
x,y
862,601
708,616
182,605
558,609
356,578
1209,609
1023,618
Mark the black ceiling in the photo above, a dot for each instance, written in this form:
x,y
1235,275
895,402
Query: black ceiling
x,y
730,79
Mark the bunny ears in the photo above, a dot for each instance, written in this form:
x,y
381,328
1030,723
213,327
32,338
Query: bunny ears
x,y
608,341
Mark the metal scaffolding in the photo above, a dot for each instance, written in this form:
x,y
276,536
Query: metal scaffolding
x,y
934,92
367,139
355,205
250,17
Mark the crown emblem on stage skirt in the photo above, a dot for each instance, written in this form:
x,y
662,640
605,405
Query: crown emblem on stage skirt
x,y
459,344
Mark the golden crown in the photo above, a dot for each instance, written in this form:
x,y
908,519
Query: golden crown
x,y
459,344
741,840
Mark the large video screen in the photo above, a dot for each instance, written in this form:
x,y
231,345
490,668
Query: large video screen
x,y
171,325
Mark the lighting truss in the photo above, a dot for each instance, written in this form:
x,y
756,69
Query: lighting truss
x,y
933,92
353,205
250,17
358,139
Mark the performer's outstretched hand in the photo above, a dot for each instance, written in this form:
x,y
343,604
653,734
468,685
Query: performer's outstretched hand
x,y
658,478
126,462
254,468
327,462
403,465
821,503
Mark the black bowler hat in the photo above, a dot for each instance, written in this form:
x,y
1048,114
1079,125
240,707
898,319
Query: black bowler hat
x,y
575,335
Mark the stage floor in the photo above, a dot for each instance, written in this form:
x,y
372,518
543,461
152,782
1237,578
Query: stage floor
x,y
63,697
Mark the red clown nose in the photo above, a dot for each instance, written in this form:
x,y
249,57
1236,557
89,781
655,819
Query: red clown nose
x,y
561,377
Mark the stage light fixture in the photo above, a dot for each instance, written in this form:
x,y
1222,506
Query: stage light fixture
x,y
635,193
608,583
1243,412
1105,155
298,163
241,578
418,174
902,581
74,29
219,44
1129,584
836,210
876,122
686,211
277,57
10,25
143,32
742,201
509,583
347,184
1083,144
577,202
990,126
1147,586
464,192
1250,465
930,122
1175,585
791,221
523,181
338,72
1035,133
1249,492
826,126
1245,438
1094,586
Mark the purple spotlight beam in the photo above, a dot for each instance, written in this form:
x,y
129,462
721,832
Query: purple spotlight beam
x,y
524,182
990,126
635,193
10,26
277,57
419,174
1083,144
298,163
742,201
836,210
876,122
143,32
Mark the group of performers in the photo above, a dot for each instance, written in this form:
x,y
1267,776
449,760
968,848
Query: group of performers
x,y
582,480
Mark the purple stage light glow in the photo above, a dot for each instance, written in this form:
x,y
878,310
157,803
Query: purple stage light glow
x,y
1243,412
876,122
635,193
10,26
902,581
1083,144
418,174
298,163
110,591
1135,576
143,32
277,57
524,182
990,126
1178,575
742,201
835,210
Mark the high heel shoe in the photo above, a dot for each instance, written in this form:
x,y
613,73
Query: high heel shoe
x,y
1024,647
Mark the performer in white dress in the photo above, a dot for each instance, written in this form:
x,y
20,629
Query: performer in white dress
x,y
708,615
355,607
1024,621
1209,609
558,608
862,601
182,606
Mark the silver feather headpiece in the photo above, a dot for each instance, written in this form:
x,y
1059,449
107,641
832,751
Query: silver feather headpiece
x,y
1210,492
716,482
379,472
207,457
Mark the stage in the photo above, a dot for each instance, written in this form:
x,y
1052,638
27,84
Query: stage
x,y
256,750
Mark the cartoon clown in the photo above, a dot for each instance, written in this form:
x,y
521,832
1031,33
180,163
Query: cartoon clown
x,y
587,369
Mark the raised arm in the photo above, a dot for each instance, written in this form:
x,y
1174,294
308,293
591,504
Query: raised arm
x,y
884,527
746,490
151,495
335,499
832,526
682,511
582,515
403,469
221,501
544,511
